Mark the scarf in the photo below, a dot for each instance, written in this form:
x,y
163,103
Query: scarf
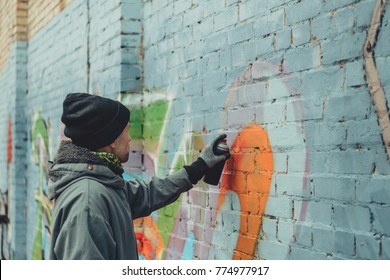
x,y
112,160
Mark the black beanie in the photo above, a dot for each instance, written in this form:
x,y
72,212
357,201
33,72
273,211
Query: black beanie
x,y
92,121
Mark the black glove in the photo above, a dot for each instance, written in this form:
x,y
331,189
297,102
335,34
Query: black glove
x,y
206,160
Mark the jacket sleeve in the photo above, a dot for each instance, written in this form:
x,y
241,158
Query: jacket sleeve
x,y
85,236
145,198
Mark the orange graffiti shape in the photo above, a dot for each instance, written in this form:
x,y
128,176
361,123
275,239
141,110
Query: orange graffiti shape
x,y
248,173
149,241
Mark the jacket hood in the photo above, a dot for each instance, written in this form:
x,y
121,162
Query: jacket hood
x,y
74,163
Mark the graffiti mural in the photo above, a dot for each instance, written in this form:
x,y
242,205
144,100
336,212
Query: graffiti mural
x,y
217,222
40,152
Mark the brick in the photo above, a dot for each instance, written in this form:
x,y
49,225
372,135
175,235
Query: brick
x,y
268,229
307,109
344,107
386,248
380,218
285,232
367,247
303,234
315,212
352,217
282,39
298,253
301,34
320,135
373,189
226,18
269,23
241,33
323,238
323,81
344,242
354,74
364,131
334,188
320,26
347,46
303,10
291,185
302,58
271,250
279,207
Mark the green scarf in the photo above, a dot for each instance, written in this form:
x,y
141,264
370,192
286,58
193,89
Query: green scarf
x,y
112,160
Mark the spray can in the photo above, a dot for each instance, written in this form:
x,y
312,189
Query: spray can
x,y
214,174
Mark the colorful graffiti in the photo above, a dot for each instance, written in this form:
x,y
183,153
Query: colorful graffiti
x,y
40,152
221,222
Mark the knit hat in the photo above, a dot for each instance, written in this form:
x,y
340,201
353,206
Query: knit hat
x,y
93,121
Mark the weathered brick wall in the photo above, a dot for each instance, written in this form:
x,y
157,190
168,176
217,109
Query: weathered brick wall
x,y
290,82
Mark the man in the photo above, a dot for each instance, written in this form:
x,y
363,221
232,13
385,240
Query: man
x,y
94,206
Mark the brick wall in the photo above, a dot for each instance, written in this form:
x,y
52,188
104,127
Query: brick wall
x,y
290,82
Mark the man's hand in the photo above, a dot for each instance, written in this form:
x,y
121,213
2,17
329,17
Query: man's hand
x,y
208,153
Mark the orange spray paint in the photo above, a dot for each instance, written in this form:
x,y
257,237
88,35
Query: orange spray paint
x,y
248,173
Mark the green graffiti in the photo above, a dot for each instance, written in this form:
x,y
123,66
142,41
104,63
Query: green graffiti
x,y
40,148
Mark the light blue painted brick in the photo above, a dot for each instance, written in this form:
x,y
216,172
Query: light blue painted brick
x,y
265,46
334,188
311,109
343,20
352,217
238,56
354,74
271,250
321,135
301,34
249,9
182,38
280,162
367,247
284,86
316,212
365,10
383,66
374,189
173,25
193,16
239,117
303,10
320,26
181,5
347,46
204,29
282,39
214,81
303,234
333,5
344,242
323,238
292,185
386,248
268,229
285,232
250,94
382,45
298,253
212,7
269,23
279,207
302,58
344,107
132,10
381,218
194,50
226,18
323,82
241,33
285,142
272,113
351,162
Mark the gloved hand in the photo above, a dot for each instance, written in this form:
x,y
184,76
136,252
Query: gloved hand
x,y
209,155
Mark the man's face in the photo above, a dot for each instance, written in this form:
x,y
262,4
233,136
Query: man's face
x,y
121,145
